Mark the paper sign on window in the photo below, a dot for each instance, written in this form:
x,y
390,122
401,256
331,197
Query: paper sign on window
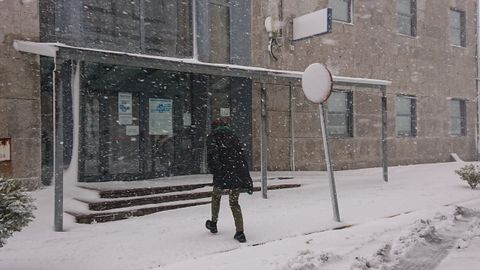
x,y
187,119
132,130
125,108
225,112
160,117
5,149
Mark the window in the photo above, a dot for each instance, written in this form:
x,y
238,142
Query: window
x,y
160,27
148,26
458,117
457,28
341,10
407,17
340,114
406,120
219,31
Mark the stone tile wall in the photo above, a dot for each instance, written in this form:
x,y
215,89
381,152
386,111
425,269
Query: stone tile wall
x,y
20,91
425,66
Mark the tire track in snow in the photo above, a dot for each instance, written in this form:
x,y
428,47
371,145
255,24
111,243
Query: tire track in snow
x,y
425,257
425,243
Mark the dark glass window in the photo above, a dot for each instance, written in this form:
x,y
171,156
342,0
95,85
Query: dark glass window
x,y
406,120
161,27
111,24
407,17
458,117
341,10
219,31
457,28
340,114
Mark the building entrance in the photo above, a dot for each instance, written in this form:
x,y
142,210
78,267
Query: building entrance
x,y
135,124
138,123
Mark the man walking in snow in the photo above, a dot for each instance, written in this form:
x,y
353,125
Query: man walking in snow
x,y
227,163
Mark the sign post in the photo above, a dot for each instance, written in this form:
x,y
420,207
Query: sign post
x,y
317,85
331,177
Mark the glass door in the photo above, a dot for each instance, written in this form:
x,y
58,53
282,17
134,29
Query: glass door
x,y
159,139
90,150
140,123
123,137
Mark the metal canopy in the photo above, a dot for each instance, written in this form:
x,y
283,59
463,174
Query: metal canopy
x,y
175,64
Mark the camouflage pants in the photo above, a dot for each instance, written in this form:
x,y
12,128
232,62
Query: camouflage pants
x,y
233,195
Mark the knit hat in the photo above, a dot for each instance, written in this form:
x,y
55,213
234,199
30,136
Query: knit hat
x,y
219,122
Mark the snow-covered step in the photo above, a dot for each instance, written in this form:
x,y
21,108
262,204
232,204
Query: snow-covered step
x,y
105,210
134,192
144,200
106,216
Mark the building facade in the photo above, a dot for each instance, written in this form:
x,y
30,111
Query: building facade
x,y
139,120
426,48
19,94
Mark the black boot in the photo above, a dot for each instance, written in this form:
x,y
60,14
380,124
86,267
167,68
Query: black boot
x,y
212,226
240,237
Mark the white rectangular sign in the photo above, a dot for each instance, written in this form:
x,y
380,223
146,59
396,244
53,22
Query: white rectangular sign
x,y
132,130
124,119
160,117
312,24
187,119
225,112
125,108
5,149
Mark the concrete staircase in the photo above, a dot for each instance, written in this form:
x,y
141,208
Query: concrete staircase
x,y
121,204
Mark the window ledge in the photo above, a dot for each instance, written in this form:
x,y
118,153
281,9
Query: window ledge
x,y
344,23
405,137
407,36
457,46
340,137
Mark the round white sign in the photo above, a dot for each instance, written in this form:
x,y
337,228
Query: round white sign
x,y
317,83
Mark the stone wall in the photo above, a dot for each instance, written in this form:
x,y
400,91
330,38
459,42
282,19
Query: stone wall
x,y
20,91
425,66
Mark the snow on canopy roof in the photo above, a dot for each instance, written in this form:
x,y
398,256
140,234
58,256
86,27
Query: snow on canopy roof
x,y
52,49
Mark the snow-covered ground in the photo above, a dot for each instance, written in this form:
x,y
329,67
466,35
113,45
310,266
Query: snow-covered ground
x,y
411,222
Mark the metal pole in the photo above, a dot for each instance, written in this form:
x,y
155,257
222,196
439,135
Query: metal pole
x,y
331,177
264,142
142,26
292,129
58,145
384,135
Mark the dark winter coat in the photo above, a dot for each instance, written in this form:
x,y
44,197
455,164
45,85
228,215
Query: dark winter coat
x,y
226,160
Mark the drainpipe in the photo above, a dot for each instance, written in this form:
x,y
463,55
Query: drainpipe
x,y
292,128
194,26
477,131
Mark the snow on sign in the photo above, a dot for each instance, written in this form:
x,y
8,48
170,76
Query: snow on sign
x,y
5,149
312,24
317,83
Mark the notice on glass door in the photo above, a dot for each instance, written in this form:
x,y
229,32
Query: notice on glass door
x,y
132,130
124,108
160,117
